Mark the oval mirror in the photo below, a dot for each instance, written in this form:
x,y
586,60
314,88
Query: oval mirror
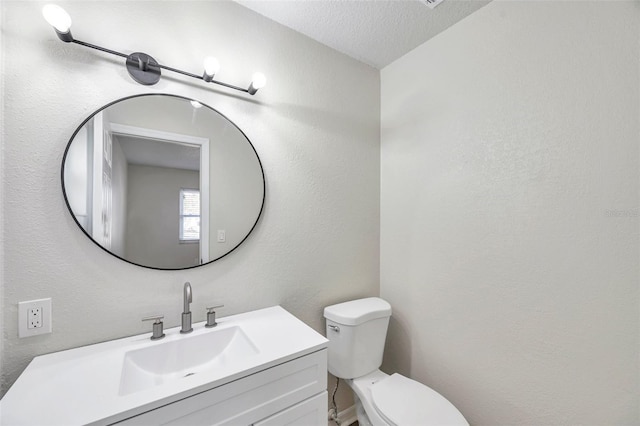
x,y
163,181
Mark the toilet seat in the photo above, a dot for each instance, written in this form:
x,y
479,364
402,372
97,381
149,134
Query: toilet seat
x,y
401,401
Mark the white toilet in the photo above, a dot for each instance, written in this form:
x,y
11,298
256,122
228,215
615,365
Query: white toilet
x,y
357,331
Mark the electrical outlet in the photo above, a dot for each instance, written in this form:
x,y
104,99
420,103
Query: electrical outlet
x,y
34,317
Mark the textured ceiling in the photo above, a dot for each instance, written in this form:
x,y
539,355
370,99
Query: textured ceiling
x,y
376,32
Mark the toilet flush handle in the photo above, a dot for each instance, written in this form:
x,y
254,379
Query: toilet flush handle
x,y
334,328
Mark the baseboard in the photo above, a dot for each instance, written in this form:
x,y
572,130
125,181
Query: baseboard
x,y
348,416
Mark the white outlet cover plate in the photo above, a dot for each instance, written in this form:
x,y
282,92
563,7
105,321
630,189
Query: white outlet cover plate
x,y
23,317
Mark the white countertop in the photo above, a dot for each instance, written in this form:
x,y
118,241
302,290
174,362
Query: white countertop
x,y
81,386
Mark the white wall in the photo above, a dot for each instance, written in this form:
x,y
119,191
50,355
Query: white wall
x,y
76,177
509,219
315,127
119,185
2,140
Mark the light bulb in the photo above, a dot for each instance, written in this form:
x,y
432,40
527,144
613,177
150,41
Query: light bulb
x,y
211,66
57,17
258,80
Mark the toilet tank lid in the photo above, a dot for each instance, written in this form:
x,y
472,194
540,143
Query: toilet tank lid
x,y
356,312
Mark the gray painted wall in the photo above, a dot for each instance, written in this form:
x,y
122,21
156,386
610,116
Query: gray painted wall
x,y
315,127
153,216
509,147
509,220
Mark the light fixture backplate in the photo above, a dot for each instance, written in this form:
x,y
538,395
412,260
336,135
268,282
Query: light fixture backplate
x,y
148,76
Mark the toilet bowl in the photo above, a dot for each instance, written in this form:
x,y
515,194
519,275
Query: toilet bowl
x,y
357,331
398,400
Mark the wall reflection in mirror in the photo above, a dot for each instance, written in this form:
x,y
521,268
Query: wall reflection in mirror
x,y
163,181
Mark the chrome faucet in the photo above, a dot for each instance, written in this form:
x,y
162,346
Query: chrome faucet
x,y
186,312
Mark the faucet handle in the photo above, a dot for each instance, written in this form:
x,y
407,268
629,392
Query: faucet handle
x,y
158,332
211,316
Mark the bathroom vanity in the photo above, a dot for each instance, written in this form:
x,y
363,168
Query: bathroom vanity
x,y
264,367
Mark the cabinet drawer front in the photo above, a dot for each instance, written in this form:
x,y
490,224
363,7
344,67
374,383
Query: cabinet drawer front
x,y
246,400
312,411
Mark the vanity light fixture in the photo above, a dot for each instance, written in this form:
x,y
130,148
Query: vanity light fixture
x,y
142,67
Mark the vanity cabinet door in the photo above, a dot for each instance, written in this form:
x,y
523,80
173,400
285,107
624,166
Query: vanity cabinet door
x,y
247,400
312,411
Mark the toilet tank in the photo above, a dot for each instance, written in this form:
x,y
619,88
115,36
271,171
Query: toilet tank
x,y
356,331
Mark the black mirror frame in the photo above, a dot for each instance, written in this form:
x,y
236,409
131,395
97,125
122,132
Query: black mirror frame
x,y
85,121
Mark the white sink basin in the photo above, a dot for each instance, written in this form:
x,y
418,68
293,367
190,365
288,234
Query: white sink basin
x,y
109,382
177,359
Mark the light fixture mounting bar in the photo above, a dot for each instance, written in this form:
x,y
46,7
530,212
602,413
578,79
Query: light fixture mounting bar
x,y
152,66
102,49
199,77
